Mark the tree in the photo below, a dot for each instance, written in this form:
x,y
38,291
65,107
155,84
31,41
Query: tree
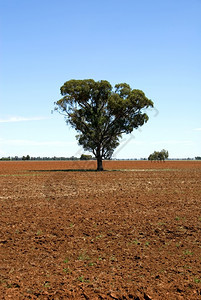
x,y
26,157
85,157
102,114
163,155
159,155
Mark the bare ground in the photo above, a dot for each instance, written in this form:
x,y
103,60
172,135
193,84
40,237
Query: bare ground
x,y
131,232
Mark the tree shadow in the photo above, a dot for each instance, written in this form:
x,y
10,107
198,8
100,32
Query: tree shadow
x,y
68,170
83,170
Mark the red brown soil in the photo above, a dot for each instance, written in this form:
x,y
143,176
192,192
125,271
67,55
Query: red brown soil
x,y
131,232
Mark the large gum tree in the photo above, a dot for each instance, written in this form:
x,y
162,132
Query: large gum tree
x,y
101,114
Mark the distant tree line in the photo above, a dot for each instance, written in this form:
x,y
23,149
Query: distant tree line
x,y
156,155
28,157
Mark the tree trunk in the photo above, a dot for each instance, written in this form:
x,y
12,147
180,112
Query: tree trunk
x,y
99,163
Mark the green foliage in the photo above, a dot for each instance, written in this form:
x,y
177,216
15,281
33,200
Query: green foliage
x,y
83,256
85,157
102,114
187,252
26,157
5,158
66,270
159,155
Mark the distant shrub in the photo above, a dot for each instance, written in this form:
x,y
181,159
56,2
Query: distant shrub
x,y
85,157
159,155
26,157
5,158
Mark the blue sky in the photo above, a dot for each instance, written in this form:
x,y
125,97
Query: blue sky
x,y
153,45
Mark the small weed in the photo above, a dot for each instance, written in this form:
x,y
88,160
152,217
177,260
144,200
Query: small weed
x,y
147,244
187,252
71,225
99,236
187,267
47,284
82,279
39,232
199,218
83,256
197,280
66,270
100,258
113,258
161,224
66,260
2,281
136,242
91,264
162,271
180,218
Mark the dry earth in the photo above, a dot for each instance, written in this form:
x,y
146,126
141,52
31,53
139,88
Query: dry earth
x,y
131,232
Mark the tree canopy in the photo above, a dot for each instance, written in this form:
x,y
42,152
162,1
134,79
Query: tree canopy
x,y
102,114
159,155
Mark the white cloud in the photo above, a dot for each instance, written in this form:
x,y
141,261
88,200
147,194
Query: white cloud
x,y
197,129
21,119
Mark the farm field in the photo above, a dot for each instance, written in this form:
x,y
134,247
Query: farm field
x,y
130,232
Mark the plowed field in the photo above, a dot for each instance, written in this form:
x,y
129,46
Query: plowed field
x,y
130,232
